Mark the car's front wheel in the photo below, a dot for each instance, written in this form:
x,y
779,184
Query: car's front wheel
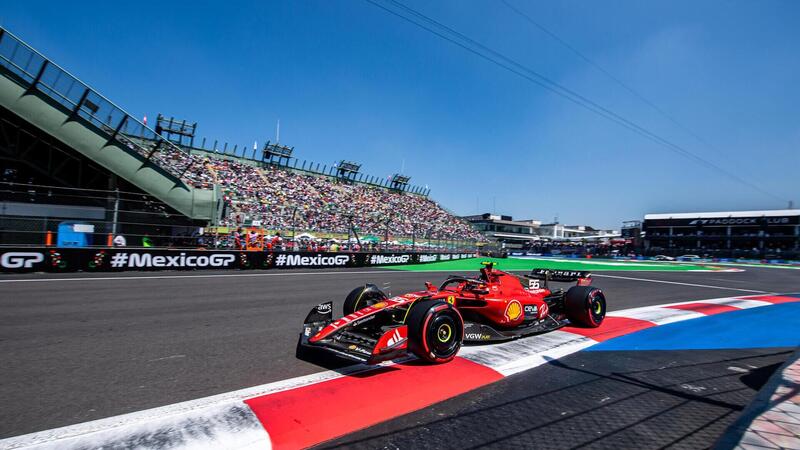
x,y
361,297
435,331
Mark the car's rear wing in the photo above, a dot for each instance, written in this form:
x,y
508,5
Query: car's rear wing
x,y
584,278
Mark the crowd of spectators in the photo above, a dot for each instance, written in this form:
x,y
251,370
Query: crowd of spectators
x,y
616,247
280,198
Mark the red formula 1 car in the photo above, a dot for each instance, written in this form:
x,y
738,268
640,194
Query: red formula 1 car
x,y
432,324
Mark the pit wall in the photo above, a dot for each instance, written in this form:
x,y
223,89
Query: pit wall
x,y
48,259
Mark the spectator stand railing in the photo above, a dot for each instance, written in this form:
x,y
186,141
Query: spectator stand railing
x,y
382,237
39,74
33,215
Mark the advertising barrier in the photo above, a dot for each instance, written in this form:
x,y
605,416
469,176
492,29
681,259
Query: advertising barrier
x,y
18,260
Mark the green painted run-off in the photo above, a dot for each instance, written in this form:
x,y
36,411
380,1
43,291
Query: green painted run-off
x,y
528,264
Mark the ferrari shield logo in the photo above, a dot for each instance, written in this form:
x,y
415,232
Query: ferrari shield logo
x,y
451,299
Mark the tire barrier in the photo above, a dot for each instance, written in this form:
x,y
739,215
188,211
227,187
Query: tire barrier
x,y
27,259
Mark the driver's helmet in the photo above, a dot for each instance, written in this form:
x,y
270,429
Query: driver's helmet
x,y
488,267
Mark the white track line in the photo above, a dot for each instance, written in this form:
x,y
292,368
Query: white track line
x,y
650,280
316,272
231,275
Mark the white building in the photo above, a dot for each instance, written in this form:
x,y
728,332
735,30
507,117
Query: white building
x,y
557,231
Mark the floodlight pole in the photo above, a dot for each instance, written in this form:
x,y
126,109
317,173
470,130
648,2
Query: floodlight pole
x,y
349,227
116,213
386,238
353,229
294,225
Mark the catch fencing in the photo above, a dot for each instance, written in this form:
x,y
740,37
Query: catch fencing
x,y
40,215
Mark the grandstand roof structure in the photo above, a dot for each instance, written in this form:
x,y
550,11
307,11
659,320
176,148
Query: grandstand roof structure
x,y
725,214
203,184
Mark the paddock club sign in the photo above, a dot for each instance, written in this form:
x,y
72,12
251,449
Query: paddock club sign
x,y
725,221
117,260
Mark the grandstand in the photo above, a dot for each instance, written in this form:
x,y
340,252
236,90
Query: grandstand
x,y
62,137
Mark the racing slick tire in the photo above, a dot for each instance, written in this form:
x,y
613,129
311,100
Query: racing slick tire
x,y
585,305
361,297
435,331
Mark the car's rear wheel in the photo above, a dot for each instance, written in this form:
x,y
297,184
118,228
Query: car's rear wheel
x,y
435,331
585,305
361,297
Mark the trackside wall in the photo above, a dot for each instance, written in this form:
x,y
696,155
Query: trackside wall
x,y
46,259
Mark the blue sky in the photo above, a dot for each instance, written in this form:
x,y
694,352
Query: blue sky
x,y
347,80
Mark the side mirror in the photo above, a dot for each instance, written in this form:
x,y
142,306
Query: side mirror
x,y
429,286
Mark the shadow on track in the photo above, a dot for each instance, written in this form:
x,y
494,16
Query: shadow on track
x,y
687,400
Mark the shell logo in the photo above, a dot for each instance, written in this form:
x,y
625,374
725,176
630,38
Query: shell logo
x,y
513,310
379,305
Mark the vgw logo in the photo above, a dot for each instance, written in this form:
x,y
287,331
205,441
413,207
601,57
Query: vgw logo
x,y
19,260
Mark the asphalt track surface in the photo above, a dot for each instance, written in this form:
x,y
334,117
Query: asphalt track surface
x,y
77,347
599,400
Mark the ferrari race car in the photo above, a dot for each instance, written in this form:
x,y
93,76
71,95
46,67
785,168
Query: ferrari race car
x,y
433,324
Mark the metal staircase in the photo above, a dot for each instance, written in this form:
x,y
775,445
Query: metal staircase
x,y
58,103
